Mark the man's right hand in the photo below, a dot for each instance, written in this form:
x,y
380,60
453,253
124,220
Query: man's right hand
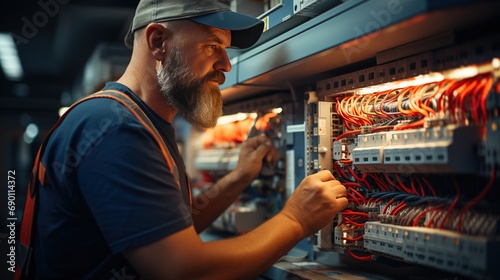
x,y
183,255
316,201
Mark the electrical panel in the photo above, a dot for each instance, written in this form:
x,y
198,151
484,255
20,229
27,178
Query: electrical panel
x,y
416,142
219,149
400,100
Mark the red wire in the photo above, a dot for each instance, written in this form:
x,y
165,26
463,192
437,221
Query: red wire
x,y
346,161
356,177
339,110
420,186
359,111
350,212
423,104
414,124
353,239
359,258
463,91
398,208
473,100
455,201
477,199
349,221
407,190
445,92
437,92
352,117
387,206
421,214
384,101
352,197
457,87
352,184
413,188
363,199
397,187
431,220
484,95
339,169
347,133
431,188
474,91
379,182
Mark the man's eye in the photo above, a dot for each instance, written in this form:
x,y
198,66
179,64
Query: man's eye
x,y
210,49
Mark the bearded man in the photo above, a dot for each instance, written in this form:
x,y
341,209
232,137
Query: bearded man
x,y
112,207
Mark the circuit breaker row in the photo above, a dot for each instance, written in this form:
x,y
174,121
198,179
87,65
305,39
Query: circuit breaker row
x,y
454,252
448,149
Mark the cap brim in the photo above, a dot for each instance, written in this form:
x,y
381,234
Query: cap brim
x,y
245,30
129,38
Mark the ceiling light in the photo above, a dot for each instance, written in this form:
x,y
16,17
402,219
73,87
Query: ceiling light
x,y
9,58
30,133
62,110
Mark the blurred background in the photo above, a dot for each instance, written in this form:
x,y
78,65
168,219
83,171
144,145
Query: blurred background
x,y
49,52
50,57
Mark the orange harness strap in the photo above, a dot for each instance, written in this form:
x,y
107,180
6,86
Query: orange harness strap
x,y
24,268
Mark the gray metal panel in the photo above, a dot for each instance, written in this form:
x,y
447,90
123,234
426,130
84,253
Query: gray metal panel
x,y
299,29
328,31
261,50
300,56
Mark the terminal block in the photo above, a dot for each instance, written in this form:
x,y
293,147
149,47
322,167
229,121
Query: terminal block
x,y
319,127
368,155
343,148
492,142
449,149
474,256
344,235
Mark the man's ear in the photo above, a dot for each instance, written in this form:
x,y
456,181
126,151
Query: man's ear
x,y
157,36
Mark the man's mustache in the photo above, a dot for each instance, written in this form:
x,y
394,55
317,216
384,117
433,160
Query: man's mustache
x,y
217,76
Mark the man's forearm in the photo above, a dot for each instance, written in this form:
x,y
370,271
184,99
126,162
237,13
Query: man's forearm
x,y
183,255
212,202
248,255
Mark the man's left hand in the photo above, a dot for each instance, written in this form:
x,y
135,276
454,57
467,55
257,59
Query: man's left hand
x,y
255,152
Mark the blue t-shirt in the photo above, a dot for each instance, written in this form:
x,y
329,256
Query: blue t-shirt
x,y
110,191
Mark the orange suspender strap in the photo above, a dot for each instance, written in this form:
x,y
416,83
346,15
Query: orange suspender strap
x,y
38,174
130,104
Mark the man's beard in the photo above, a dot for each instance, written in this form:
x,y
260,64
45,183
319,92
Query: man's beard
x,y
196,100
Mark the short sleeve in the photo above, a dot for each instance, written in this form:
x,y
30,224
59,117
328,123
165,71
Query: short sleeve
x,y
125,180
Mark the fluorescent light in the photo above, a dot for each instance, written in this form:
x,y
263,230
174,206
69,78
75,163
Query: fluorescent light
x,y
32,130
277,110
411,82
62,110
9,58
30,133
234,118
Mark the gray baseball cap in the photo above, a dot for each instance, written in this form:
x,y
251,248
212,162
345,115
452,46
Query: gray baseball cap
x,y
245,30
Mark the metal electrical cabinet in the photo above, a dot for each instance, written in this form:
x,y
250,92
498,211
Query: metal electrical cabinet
x,y
400,99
